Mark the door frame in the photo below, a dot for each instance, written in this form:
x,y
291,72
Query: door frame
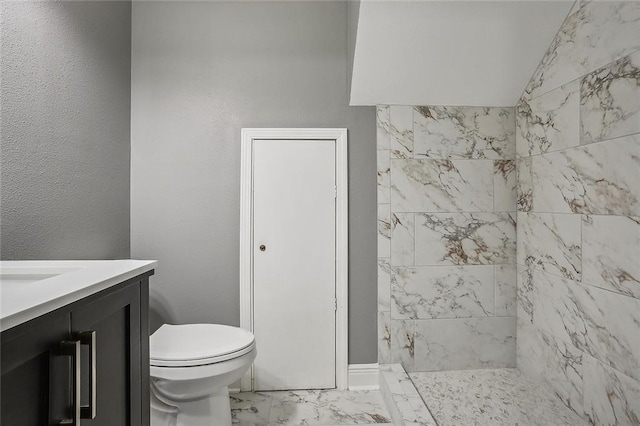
x,y
342,241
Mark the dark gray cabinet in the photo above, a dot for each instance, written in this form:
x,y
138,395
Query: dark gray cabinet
x,y
107,334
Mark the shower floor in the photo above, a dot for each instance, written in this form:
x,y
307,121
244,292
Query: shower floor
x,y
490,397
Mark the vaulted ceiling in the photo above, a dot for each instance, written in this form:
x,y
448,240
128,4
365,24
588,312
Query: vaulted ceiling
x,y
450,52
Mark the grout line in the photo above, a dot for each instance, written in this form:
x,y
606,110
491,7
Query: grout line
x,y
553,151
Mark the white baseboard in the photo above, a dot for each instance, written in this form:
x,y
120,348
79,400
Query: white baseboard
x,y
363,377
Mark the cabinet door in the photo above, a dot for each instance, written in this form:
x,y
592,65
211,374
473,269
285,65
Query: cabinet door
x,y
35,379
115,318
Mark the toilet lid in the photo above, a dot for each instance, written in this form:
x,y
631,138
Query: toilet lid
x,y
197,344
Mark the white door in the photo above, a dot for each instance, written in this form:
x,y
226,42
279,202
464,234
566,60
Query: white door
x,y
294,263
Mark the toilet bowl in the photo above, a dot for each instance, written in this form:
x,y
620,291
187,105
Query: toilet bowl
x,y
192,366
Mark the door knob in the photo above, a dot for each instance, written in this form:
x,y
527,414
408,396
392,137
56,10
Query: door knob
x,y
263,247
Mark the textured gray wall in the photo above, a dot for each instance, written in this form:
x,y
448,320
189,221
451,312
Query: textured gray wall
x,y
202,71
65,96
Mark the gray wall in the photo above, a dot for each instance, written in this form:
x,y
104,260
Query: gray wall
x,y
65,96
202,71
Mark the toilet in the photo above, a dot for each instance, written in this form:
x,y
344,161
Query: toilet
x,y
192,366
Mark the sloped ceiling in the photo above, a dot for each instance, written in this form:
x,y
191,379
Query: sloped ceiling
x,y
476,53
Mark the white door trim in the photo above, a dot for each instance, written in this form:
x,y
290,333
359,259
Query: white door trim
x,y
342,219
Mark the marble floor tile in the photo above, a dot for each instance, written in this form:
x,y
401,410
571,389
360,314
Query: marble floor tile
x,y
250,408
328,407
309,407
490,397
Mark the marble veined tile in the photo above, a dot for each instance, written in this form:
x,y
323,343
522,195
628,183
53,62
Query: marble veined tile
x,y
406,405
384,337
611,253
465,238
250,408
505,278
402,239
610,398
495,129
524,185
465,343
384,171
402,342
549,122
384,285
445,133
551,242
504,186
603,324
608,30
327,407
384,230
602,178
441,292
401,131
550,361
464,132
524,294
610,100
594,34
441,185
382,127
561,62
490,397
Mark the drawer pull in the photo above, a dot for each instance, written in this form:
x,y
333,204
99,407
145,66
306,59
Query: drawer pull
x,y
72,349
89,338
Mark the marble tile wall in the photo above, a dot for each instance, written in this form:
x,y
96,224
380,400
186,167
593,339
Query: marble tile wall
x,y
446,237
578,185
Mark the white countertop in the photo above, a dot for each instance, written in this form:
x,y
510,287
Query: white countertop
x,y
30,288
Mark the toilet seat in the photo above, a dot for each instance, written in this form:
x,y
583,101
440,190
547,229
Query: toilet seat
x,y
192,345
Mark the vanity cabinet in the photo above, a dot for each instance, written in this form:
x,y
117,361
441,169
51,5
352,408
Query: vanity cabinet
x,y
107,335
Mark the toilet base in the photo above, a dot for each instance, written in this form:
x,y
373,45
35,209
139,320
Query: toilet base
x,y
212,411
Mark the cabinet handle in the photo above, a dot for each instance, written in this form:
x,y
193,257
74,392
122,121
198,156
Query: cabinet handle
x,y
72,349
89,338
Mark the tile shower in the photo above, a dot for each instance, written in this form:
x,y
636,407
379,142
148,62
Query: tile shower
x,y
447,237
552,185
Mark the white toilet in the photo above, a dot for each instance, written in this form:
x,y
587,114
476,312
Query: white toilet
x,y
192,366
